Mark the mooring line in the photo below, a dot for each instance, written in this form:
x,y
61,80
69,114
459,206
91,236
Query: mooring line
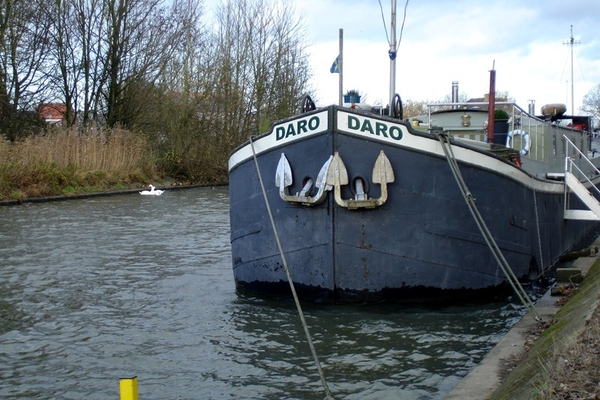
x,y
289,277
487,235
539,236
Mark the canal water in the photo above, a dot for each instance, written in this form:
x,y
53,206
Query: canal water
x,y
99,289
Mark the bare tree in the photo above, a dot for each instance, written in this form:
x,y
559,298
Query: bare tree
x,y
262,64
285,71
110,54
413,108
89,79
23,53
225,81
64,54
139,40
196,89
591,102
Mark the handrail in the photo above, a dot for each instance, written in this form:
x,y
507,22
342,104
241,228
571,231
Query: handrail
x,y
517,116
569,162
569,142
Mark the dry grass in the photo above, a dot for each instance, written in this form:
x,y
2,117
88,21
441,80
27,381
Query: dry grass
x,y
574,372
562,360
93,150
63,162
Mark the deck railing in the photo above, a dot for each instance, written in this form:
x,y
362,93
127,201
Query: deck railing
x,y
577,161
546,137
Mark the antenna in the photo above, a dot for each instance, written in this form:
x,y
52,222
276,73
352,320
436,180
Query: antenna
x,y
571,43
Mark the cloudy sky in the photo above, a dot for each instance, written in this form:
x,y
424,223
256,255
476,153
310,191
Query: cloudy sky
x,y
457,40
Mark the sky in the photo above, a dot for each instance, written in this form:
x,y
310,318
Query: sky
x,y
442,41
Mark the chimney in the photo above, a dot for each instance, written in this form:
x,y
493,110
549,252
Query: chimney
x,y
454,93
531,107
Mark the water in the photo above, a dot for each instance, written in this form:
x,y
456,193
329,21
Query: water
x,y
95,290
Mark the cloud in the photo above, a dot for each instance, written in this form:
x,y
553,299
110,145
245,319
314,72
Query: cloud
x,y
460,41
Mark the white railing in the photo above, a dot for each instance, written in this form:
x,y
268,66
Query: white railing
x,y
546,142
570,164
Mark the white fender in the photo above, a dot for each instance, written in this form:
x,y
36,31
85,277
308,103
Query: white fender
x,y
524,135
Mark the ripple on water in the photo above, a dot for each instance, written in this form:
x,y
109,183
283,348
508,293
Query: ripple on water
x,y
113,287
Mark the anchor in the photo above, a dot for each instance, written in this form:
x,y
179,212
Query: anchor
x,y
283,179
337,176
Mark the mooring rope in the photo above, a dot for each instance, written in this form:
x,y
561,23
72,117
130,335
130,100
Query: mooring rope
x,y
537,224
289,277
489,239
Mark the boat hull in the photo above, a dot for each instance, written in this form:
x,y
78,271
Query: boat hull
x,y
421,244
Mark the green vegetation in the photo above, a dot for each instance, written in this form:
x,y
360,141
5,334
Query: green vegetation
x,y
140,91
68,163
63,163
500,115
565,361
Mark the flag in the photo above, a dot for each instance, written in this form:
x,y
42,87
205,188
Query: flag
x,y
335,67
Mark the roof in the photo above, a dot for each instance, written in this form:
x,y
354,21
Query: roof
x,y
53,112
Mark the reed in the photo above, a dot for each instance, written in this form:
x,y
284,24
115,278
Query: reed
x,y
63,162
114,150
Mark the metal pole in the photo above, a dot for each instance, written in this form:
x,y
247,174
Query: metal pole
x,y
572,85
341,67
492,105
571,42
128,388
392,54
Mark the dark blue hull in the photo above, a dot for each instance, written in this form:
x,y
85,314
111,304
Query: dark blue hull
x,y
422,243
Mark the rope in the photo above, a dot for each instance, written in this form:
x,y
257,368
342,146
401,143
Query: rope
x,y
401,28
489,239
537,224
289,277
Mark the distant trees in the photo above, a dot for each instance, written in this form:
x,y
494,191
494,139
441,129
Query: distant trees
x,y
192,83
85,54
228,81
591,102
23,56
413,108
261,63
105,51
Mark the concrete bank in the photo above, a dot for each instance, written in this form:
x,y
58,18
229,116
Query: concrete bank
x,y
486,380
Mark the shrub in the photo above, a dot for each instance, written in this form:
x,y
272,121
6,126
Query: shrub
x,y
500,115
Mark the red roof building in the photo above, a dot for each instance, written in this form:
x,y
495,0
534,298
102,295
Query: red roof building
x,y
53,113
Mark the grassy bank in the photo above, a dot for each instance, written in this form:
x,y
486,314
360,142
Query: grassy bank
x,y
70,162
564,362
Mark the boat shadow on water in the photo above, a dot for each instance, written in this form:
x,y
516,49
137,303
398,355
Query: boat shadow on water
x,y
369,351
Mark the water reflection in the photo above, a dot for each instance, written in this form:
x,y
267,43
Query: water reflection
x,y
99,289
392,351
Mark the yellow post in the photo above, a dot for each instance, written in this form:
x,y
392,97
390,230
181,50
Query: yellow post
x,y
129,389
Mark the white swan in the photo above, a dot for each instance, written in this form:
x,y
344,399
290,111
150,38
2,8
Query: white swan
x,y
151,192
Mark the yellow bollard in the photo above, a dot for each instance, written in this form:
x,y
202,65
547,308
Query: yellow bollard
x,y
128,388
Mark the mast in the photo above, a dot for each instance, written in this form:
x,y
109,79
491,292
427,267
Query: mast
x,y
341,68
492,104
571,43
392,54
